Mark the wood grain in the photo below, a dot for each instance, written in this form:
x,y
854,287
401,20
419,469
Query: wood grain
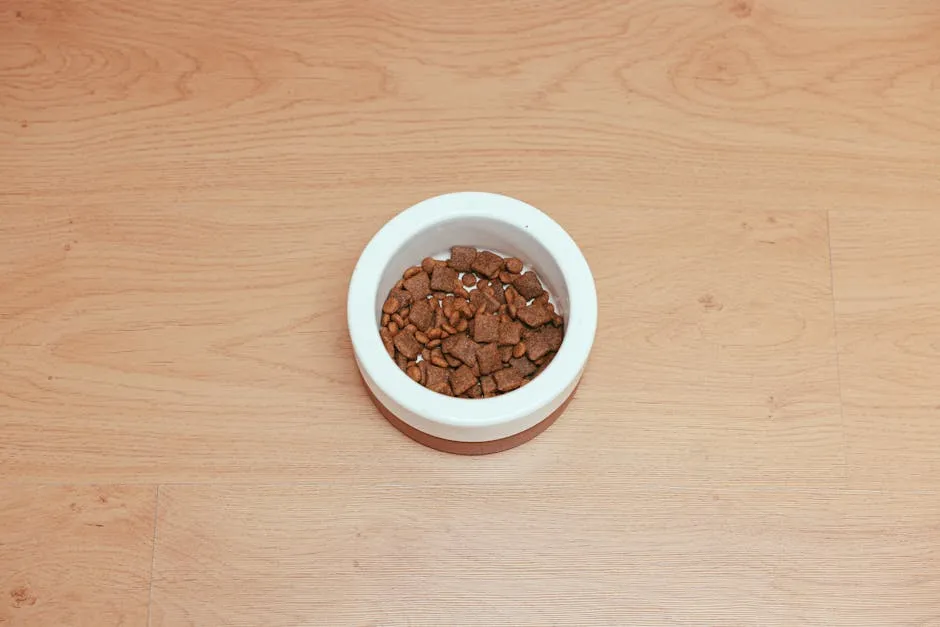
x,y
75,555
186,186
601,104
887,302
542,554
172,348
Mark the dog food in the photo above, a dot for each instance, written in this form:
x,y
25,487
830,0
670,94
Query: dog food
x,y
476,325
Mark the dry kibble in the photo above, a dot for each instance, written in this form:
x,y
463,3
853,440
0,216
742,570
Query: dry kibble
x,y
528,285
391,305
505,353
443,279
437,358
462,257
514,265
473,326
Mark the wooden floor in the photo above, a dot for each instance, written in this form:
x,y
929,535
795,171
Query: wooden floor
x,y
185,188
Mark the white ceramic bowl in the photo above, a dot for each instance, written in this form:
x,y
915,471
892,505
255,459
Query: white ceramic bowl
x,y
487,221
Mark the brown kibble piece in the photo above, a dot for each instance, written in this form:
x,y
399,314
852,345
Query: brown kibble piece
x,y
507,379
453,362
523,366
410,328
436,376
510,333
487,263
475,392
461,258
461,293
422,315
434,343
518,350
391,305
534,315
444,279
462,379
461,347
421,337
434,333
543,341
385,319
557,320
404,311
488,386
453,318
462,325
498,293
486,328
528,285
401,361
407,345
468,279
437,358
448,329
404,297
482,283
505,353
388,341
514,265
427,264
506,277
397,319
553,335
426,355
393,328
439,295
489,359
418,286
410,272
415,373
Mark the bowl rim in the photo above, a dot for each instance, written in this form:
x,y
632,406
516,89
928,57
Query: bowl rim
x,y
565,368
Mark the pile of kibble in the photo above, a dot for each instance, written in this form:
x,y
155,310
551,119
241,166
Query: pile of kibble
x,y
476,325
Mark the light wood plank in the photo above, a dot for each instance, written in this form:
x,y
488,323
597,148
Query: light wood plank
x,y
774,104
888,305
175,346
75,555
543,554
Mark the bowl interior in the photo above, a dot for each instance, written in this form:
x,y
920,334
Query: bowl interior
x,y
480,232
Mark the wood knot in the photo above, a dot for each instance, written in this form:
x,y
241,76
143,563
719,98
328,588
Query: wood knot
x,y
22,596
741,8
